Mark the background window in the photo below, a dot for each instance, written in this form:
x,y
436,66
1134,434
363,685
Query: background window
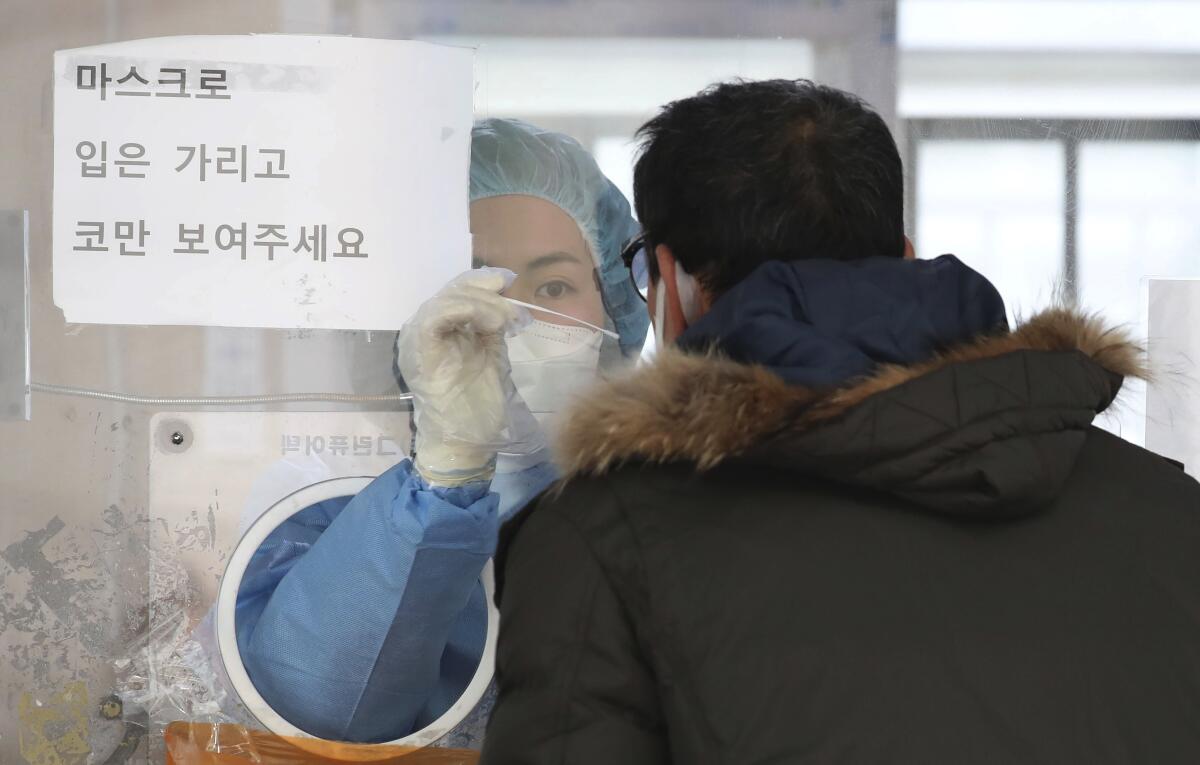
x,y
1078,212
998,205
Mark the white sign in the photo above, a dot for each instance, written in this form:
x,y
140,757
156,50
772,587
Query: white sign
x,y
1173,395
259,181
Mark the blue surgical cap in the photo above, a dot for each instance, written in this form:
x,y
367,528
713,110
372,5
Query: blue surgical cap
x,y
514,157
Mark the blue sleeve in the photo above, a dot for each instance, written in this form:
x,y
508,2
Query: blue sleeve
x,y
348,646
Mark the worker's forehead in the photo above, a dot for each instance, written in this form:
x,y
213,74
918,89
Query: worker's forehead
x,y
518,222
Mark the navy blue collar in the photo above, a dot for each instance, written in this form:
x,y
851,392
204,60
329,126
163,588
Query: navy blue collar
x,y
821,323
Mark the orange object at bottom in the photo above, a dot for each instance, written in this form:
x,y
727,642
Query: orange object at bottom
x,y
206,744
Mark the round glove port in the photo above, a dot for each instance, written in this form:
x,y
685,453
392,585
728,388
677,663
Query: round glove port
x,y
231,656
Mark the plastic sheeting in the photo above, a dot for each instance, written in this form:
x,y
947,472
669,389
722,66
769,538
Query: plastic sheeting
x,y
112,546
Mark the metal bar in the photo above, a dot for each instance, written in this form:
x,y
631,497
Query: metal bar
x,y
14,315
250,400
914,132
1042,129
1070,282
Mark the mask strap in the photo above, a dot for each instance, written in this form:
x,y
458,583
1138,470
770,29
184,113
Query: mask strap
x,y
660,316
689,301
533,307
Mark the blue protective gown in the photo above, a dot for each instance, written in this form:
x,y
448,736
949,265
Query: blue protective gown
x,y
362,618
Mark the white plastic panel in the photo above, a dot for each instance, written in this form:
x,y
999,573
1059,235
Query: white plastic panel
x,y
1173,395
212,475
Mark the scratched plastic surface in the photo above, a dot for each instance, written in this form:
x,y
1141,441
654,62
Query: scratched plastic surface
x,y
1061,164
110,549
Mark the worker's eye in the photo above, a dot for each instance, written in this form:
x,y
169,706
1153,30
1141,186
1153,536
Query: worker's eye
x,y
554,290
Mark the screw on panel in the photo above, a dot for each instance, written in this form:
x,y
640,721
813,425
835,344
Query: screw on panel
x,y
111,707
177,438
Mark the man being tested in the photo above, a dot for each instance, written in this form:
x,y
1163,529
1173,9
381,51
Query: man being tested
x,y
848,516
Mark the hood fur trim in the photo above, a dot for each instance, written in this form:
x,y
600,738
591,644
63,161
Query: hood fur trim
x,y
704,408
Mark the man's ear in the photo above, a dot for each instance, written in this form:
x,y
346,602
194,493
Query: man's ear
x,y
910,252
665,258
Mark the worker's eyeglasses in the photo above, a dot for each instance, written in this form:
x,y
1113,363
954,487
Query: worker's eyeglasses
x,y
634,256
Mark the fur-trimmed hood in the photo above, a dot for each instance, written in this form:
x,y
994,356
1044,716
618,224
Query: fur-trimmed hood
x,y
992,425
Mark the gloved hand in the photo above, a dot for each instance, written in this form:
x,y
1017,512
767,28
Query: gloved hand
x,y
453,357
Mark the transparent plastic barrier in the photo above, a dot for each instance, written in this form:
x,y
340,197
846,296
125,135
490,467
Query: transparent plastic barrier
x,y
104,549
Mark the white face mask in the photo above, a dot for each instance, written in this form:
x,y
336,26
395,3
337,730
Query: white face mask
x,y
551,363
689,302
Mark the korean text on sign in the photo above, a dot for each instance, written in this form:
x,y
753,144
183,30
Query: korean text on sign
x,y
339,445
170,82
239,237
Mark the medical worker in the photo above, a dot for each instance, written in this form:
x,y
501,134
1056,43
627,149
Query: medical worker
x,y
364,620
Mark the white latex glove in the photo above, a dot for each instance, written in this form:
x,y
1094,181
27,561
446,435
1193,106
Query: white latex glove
x,y
453,357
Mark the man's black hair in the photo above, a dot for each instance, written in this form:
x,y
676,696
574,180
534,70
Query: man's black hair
x,y
746,172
